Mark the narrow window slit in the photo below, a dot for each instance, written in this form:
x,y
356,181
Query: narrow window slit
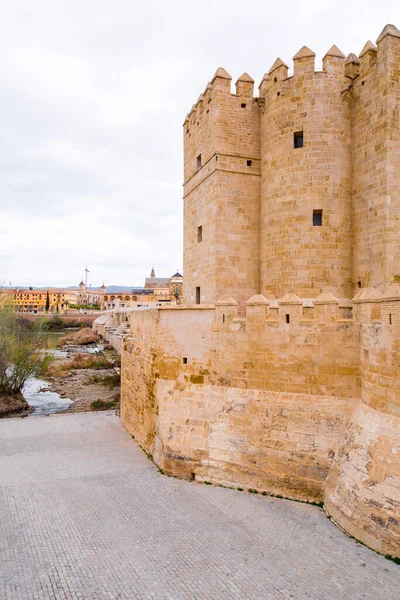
x,y
298,139
317,218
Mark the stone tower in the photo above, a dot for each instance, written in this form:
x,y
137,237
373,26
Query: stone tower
x,y
375,94
297,190
306,242
222,192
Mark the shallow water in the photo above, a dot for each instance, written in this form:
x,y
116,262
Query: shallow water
x,y
46,403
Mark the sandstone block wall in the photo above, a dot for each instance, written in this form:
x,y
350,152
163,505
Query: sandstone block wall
x,y
306,355
362,491
379,315
210,396
280,443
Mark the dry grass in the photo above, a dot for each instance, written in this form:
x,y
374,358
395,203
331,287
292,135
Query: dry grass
x,y
104,404
59,368
110,381
79,338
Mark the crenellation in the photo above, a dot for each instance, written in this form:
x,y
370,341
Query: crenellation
x,y
304,62
333,62
352,66
278,72
245,86
368,57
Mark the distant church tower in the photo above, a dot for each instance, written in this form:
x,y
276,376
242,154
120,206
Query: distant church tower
x,y
153,273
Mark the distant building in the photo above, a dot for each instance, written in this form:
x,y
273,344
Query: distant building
x,y
156,290
34,301
90,297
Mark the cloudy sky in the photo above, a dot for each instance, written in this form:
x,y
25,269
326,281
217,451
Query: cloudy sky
x,y
93,94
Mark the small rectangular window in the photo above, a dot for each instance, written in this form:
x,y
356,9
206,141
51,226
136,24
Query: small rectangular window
x,y
243,105
184,360
287,318
249,163
317,218
298,139
198,161
200,234
390,319
197,295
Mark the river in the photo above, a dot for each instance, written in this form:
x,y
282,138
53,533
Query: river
x,y
46,402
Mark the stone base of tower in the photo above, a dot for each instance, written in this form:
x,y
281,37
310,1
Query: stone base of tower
x,y
362,492
297,399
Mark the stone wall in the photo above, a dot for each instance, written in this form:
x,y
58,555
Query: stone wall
x,y
362,492
209,395
279,443
314,354
379,315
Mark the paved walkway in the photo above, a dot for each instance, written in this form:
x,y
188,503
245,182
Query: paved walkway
x,y
84,514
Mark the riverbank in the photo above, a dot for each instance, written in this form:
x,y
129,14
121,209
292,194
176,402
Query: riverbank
x,y
89,389
14,406
91,381
83,376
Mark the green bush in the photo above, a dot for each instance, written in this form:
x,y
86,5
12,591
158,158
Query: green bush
x,y
103,404
20,351
110,381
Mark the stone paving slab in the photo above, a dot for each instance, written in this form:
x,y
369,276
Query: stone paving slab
x,y
85,515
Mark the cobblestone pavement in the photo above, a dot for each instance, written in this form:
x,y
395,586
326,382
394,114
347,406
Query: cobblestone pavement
x,y
84,514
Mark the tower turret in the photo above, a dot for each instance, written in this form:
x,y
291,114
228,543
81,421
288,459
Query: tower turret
x,y
222,192
306,179
376,162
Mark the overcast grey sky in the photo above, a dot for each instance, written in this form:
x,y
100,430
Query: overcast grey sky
x,y
93,95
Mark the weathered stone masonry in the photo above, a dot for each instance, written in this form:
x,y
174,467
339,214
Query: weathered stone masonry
x,y
254,193
278,380
301,409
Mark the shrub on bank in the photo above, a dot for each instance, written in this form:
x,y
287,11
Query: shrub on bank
x,y
56,323
79,338
103,404
20,351
110,381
